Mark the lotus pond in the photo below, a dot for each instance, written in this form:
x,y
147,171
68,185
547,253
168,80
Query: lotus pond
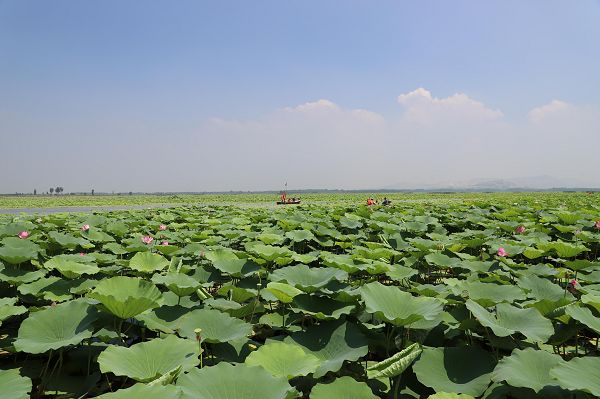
x,y
482,297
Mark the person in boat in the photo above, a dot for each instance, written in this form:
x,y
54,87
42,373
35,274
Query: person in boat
x,y
386,201
369,201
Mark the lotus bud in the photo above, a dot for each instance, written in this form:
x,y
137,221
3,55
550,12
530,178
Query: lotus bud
x,y
197,331
502,252
23,234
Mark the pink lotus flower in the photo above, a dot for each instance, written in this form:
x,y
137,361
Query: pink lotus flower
x,y
85,227
520,229
502,252
597,225
164,243
147,239
82,254
573,282
24,234
162,227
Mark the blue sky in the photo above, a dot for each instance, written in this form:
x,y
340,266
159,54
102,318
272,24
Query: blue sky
x,y
191,95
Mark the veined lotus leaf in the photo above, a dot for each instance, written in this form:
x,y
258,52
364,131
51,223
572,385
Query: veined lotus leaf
x,y
283,292
342,388
350,222
56,327
528,368
283,360
592,300
395,365
446,395
269,253
117,228
584,316
115,248
67,241
16,275
150,360
216,326
9,309
300,235
69,268
342,262
270,238
228,262
398,307
510,319
442,260
163,319
533,253
180,284
465,369
226,381
51,288
580,373
541,288
97,235
488,294
13,385
399,273
581,264
323,308
233,308
563,249
308,279
14,228
126,297
148,262
145,391
15,250
333,343
305,258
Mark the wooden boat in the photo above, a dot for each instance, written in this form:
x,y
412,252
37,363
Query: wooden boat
x,y
284,200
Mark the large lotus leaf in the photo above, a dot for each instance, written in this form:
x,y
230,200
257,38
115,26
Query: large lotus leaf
x,y
580,373
323,308
283,360
148,262
15,250
56,327
581,264
343,262
126,297
528,368
270,238
150,360
308,279
540,288
228,262
395,365
283,292
441,260
446,395
14,228
300,235
97,235
68,241
488,294
584,316
51,288
564,249
180,284
16,275
398,307
69,268
9,309
399,273
510,319
463,369
333,343
164,318
145,391
592,300
225,381
13,385
342,388
269,253
216,326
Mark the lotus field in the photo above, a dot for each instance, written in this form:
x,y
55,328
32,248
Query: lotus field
x,y
491,297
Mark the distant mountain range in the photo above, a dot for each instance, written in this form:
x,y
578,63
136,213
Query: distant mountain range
x,y
543,182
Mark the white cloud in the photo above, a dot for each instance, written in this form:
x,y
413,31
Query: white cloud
x,y
421,107
554,108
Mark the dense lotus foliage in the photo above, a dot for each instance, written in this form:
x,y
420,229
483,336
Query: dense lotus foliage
x,y
486,296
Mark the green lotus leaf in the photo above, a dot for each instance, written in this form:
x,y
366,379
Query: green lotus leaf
x,y
528,368
283,360
581,264
69,268
56,327
580,373
300,235
270,238
269,253
398,307
564,249
180,284
342,262
15,250
50,288
395,365
163,319
323,308
68,241
225,381
15,227
13,385
126,297
446,395
466,370
541,288
97,235
333,343
308,279
399,273
216,326
342,388
148,262
228,262
441,260
592,300
150,360
584,316
510,319
488,294
16,275
9,309
145,391
283,292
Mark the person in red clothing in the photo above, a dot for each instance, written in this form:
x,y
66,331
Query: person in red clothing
x,y
369,201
